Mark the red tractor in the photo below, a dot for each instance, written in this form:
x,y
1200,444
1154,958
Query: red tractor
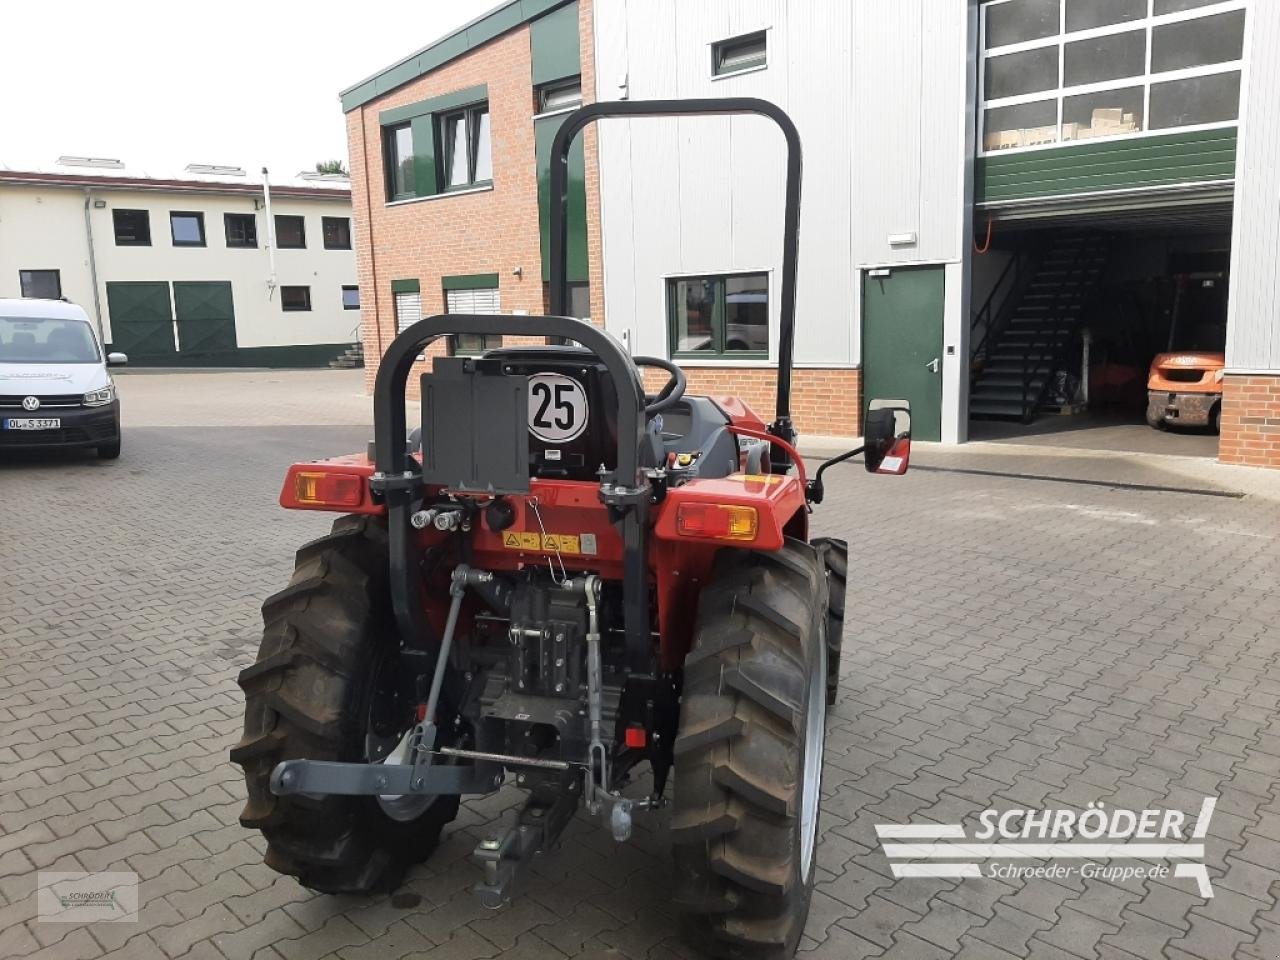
x,y
562,579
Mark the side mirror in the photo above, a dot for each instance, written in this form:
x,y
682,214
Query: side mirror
x,y
117,359
886,435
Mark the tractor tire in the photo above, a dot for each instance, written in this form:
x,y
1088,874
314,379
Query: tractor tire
x,y
748,755
309,696
835,556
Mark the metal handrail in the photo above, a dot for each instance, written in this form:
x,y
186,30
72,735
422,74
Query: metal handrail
x,y
1013,270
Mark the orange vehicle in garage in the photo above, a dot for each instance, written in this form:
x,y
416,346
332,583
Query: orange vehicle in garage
x,y
1185,389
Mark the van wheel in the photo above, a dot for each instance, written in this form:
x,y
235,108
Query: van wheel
x,y
109,451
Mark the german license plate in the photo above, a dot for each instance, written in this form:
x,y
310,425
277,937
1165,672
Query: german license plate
x,y
33,423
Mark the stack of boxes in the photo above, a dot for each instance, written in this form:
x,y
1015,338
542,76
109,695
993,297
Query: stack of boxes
x,y
1105,122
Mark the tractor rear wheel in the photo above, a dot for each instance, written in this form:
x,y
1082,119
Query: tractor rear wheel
x,y
328,643
835,556
748,756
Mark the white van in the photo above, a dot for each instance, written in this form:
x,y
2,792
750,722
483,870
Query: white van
x,y
55,390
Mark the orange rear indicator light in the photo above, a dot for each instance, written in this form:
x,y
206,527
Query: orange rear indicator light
x,y
328,489
717,521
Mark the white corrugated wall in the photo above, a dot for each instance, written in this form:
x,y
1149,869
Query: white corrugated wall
x,y
877,90
1253,326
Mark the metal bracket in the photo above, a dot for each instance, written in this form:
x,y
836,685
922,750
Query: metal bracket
x,y
503,859
384,482
326,777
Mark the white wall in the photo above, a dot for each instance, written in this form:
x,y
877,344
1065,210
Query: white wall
x,y
878,90
1253,325
43,228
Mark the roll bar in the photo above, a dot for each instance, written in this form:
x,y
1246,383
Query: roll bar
x,y
577,120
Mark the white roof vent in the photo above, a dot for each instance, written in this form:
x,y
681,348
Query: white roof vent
x,y
105,163
324,177
215,170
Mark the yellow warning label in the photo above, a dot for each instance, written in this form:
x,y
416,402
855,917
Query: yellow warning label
x,y
550,543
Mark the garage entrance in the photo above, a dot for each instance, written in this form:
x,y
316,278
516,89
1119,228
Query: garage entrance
x,y
206,318
141,321
1102,331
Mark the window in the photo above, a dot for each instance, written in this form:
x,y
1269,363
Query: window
x,y
337,232
350,298
739,54
1058,71
187,228
291,232
408,303
719,316
40,284
468,159
133,228
241,229
472,295
295,298
560,95
398,150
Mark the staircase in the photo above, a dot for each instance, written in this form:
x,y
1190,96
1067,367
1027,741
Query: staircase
x,y
350,358
1033,330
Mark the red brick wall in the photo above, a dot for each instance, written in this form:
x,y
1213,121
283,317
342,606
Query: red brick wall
x,y
823,402
1250,420
493,231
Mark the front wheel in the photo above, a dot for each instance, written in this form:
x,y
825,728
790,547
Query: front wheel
x,y
319,691
109,451
748,756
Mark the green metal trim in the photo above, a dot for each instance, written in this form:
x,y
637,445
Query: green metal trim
x,y
446,101
554,48
405,286
463,40
474,281
426,177
1150,161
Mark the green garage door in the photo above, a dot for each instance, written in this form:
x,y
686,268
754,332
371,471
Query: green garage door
x,y
141,320
206,318
902,342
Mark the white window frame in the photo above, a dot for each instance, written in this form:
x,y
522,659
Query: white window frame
x,y
1144,80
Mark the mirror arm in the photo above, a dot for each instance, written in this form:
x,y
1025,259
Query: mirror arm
x,y
814,491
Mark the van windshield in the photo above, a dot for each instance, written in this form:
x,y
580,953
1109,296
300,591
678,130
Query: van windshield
x,y
46,340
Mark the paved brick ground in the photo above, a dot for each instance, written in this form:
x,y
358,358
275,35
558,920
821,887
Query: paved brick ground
x,y
1012,642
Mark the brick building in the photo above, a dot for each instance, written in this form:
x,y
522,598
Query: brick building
x,y
1005,212
449,173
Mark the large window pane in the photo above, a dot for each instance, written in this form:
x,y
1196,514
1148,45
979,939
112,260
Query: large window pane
x,y
1021,20
693,307
1106,114
484,153
1182,103
1023,125
456,144
1196,43
1177,6
400,162
1111,57
746,313
1014,74
1087,14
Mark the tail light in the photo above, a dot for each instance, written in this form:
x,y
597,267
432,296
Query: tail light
x,y
717,521
328,489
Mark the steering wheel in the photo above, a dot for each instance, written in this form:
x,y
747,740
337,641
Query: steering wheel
x,y
671,391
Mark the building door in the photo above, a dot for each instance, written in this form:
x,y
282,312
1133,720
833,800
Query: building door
x,y
141,320
206,317
902,342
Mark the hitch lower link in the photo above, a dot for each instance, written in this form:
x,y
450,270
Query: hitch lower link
x,y
557,785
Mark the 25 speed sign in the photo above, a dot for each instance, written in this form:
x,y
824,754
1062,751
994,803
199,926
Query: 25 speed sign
x,y
558,408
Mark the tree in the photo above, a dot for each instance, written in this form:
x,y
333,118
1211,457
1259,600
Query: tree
x,y
332,166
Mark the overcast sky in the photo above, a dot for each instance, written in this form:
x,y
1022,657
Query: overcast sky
x,y
163,84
